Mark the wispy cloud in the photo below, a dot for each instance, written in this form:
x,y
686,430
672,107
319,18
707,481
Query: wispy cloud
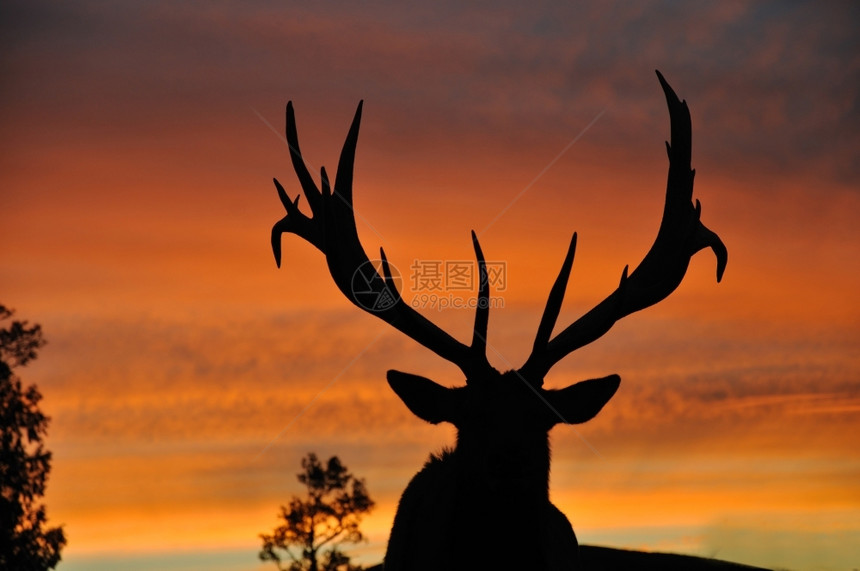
x,y
140,191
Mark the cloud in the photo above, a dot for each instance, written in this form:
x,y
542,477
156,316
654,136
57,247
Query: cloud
x,y
221,378
139,178
764,81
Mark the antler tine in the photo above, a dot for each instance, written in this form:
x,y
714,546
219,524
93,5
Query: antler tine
x,y
332,229
680,236
295,221
482,311
290,222
389,278
343,250
679,186
556,297
310,189
550,314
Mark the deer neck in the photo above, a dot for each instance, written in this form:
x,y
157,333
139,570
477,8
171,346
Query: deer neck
x,y
517,469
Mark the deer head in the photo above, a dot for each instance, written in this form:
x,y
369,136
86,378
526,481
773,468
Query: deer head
x,y
331,228
502,418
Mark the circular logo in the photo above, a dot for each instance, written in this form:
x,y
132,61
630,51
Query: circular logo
x,y
371,291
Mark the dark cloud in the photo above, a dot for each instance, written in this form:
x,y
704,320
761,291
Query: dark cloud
x,y
773,86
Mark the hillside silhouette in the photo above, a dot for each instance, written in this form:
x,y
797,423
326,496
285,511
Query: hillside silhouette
x,y
597,558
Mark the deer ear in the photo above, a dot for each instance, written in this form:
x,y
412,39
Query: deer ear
x,y
581,402
426,399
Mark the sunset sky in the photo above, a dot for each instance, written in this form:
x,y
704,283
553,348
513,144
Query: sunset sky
x,y
186,376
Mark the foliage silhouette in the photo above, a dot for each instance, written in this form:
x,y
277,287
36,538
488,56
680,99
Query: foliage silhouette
x,y
498,472
327,518
25,541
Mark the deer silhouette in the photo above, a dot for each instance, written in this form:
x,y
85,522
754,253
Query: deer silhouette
x,y
484,504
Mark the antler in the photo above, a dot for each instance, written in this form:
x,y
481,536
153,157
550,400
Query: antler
x,y
680,236
331,228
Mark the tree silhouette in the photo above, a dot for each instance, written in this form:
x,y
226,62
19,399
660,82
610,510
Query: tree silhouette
x,y
327,518
25,542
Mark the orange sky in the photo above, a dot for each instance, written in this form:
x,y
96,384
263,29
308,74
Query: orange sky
x,y
135,175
